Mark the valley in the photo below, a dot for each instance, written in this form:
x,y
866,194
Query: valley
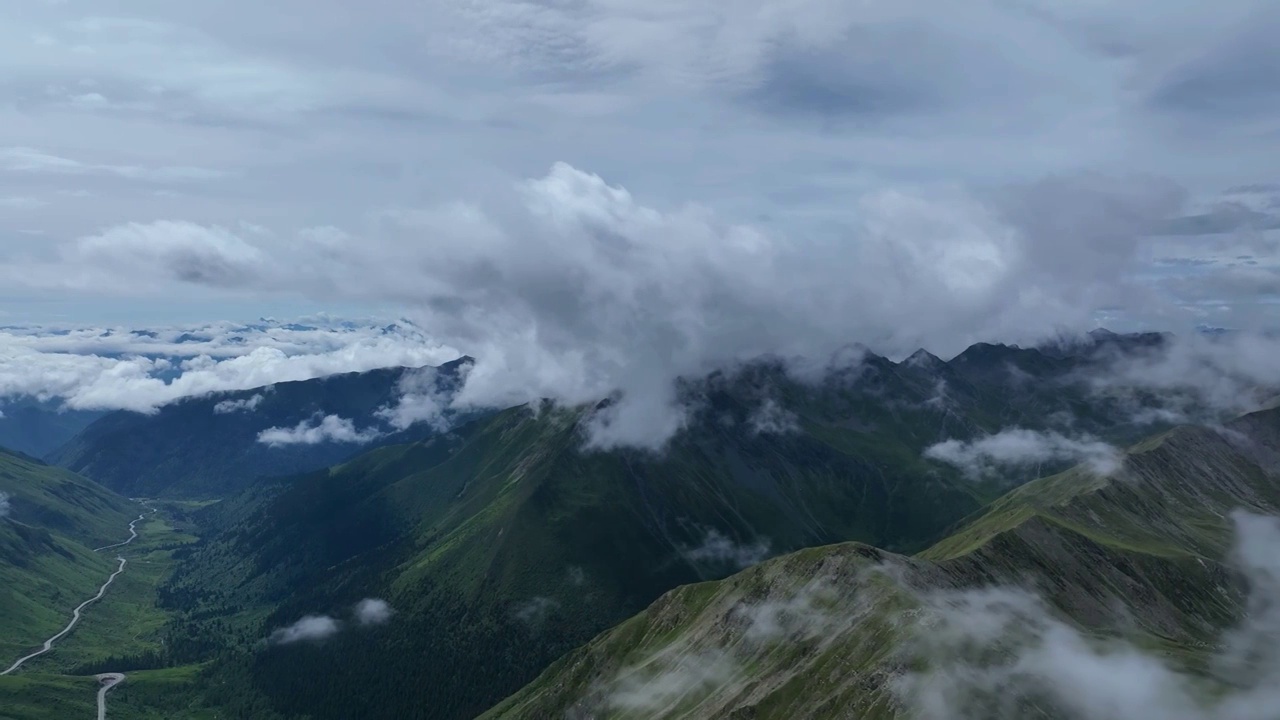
x,y
495,568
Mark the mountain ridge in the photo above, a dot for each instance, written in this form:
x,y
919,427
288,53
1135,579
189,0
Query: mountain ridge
x,y
1151,541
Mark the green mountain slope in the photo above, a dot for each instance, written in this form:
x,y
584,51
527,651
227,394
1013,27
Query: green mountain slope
x,y
51,521
506,540
208,446
37,428
835,632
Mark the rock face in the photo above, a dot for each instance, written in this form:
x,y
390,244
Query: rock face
x,y
1062,563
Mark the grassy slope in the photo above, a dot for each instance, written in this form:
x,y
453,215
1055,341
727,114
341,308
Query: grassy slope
x,y
123,628
1139,554
187,450
46,563
507,541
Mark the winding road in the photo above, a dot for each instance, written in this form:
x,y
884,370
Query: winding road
x,y
109,680
75,618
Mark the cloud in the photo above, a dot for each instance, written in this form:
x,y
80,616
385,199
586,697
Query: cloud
x,y
1197,378
1020,448
535,610
770,418
4,504
652,686
423,398
785,178
309,628
248,404
718,548
316,430
189,252
568,287
372,611
142,369
992,652
31,160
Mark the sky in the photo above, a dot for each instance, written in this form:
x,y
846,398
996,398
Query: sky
x,y
595,195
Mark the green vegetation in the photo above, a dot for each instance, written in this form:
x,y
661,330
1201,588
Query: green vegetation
x,y
503,545
126,628
1139,555
47,566
47,697
189,450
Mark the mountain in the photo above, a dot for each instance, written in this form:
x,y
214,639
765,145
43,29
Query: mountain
x,y
37,427
1132,571
209,446
505,543
50,520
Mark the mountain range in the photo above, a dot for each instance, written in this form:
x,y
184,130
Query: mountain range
x,y
499,552
852,631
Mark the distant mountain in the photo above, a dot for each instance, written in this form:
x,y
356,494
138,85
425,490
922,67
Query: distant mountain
x,y
39,427
50,520
830,632
209,446
503,544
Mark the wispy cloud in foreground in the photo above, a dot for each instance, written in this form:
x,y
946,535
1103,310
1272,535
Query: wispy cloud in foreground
x,y
319,429
996,652
248,404
1023,449
309,628
373,611
718,548
367,612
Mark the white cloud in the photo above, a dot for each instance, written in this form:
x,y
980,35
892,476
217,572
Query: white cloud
x,y
1020,448
4,504
535,610
651,686
1198,378
718,548
373,611
571,289
319,429
806,174
770,418
421,400
987,649
142,369
309,628
248,404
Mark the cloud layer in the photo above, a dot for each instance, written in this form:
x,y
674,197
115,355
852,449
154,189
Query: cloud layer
x,y
319,429
992,650
595,198
141,369
571,288
313,628
309,628
1022,449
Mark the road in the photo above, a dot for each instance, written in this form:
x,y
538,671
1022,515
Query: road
x,y
75,614
133,532
109,681
75,618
